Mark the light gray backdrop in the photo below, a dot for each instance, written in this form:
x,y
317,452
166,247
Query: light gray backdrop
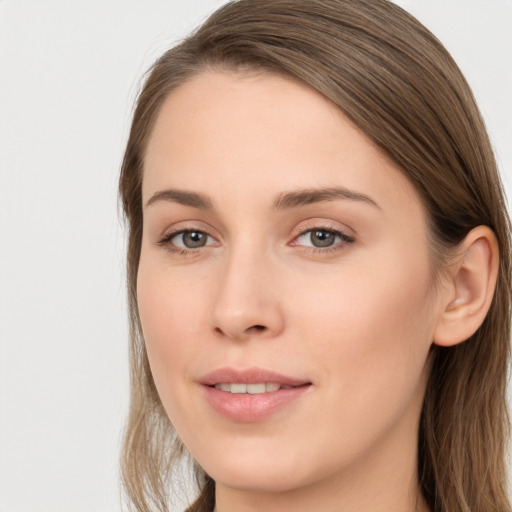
x,y
69,71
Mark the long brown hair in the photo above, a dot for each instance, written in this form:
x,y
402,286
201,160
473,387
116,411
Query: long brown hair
x,y
398,84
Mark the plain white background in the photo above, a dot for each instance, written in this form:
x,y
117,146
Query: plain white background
x,y
69,71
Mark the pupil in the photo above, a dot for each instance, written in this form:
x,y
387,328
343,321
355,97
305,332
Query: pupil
x,y
322,238
194,239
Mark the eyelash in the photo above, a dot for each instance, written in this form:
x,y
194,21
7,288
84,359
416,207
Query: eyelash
x,y
345,239
166,241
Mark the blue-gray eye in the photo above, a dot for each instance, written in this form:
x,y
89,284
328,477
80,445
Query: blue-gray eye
x,y
190,239
322,238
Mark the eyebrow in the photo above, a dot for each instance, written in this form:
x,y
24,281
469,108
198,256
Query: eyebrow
x,y
183,197
298,198
284,201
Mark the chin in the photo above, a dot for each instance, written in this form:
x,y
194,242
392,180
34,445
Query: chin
x,y
258,472
257,480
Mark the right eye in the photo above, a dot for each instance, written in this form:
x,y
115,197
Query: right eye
x,y
187,239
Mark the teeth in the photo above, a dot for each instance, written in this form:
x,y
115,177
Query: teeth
x,y
238,388
252,389
255,389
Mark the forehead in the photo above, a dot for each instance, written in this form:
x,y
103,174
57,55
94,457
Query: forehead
x,y
263,133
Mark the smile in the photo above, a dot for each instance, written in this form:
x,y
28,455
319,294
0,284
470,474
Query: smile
x,y
251,389
251,395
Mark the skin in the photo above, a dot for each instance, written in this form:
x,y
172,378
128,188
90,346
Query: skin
x,y
356,319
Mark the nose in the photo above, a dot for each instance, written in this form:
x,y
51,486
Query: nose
x,y
247,303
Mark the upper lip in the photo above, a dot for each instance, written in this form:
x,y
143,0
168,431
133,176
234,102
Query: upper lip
x,y
250,376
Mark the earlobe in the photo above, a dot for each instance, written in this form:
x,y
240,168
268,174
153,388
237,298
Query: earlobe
x,y
470,288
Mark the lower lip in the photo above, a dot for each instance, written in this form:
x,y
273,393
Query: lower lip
x,y
247,408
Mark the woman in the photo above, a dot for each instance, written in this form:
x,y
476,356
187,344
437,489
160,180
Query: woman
x,y
318,268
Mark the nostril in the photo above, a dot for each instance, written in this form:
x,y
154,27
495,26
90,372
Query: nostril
x,y
258,327
237,332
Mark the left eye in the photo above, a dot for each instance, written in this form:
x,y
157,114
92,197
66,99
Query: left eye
x,y
190,239
321,238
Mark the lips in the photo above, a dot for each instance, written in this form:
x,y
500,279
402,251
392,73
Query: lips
x,y
251,395
250,376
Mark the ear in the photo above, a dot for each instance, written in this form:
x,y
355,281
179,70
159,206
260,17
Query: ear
x,y
470,288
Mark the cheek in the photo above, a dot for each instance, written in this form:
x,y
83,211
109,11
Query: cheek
x,y
369,331
371,302
172,316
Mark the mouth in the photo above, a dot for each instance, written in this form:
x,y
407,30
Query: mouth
x,y
251,395
251,380
251,389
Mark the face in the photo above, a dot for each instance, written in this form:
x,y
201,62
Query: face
x,y
285,286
